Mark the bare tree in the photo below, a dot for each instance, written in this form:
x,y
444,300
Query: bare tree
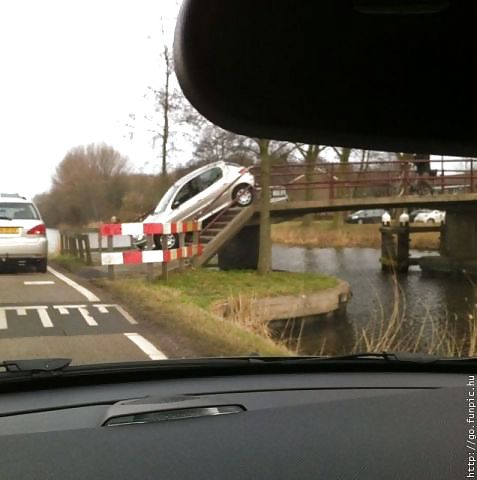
x,y
88,186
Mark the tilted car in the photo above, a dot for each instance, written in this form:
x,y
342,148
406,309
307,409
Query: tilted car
x,y
201,194
22,233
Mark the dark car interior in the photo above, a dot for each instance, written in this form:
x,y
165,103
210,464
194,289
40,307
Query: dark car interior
x,y
377,74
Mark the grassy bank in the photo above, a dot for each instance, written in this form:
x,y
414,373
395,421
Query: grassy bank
x,y
180,317
205,287
324,234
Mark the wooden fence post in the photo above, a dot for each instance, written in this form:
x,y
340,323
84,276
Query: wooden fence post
x,y
332,182
100,243
150,266
87,247
79,239
165,265
472,175
110,267
181,245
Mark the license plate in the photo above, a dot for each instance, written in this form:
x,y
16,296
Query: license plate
x,y
9,230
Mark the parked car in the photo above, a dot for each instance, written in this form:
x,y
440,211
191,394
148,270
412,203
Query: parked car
x,y
200,195
366,216
414,213
22,233
431,216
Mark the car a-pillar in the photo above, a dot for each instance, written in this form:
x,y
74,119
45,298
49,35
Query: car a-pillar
x,y
241,252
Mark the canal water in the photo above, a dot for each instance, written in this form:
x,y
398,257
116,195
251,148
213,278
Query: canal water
x,y
444,300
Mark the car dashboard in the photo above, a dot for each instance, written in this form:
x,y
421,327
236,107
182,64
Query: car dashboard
x,y
373,425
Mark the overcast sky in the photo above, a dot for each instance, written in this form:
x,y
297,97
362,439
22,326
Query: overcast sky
x,y
71,72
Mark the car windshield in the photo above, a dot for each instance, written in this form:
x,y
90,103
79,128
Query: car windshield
x,y
165,200
98,136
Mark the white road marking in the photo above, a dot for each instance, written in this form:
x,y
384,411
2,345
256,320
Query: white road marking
x,y
66,310
40,282
84,291
88,318
45,318
102,308
62,310
125,314
68,306
3,319
146,346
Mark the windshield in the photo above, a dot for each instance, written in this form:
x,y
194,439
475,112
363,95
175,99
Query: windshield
x,y
362,250
165,200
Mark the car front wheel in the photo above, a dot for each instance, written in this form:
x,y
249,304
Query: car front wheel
x,y
243,195
172,241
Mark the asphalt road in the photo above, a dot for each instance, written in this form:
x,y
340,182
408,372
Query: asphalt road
x,y
52,315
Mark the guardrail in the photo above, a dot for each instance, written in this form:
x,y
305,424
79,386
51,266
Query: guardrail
x,y
149,257
373,178
76,245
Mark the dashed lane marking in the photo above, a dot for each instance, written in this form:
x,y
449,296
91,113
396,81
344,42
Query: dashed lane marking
x,y
146,346
45,318
23,311
120,309
88,318
84,291
64,310
3,319
40,282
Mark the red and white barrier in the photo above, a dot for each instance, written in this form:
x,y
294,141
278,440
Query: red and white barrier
x,y
136,257
112,229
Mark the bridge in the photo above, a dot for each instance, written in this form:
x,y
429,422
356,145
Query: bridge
x,y
334,187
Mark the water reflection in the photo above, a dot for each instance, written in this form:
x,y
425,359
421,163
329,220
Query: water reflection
x,y
448,301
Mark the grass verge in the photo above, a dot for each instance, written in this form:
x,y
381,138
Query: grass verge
x,y
204,287
69,263
324,234
179,316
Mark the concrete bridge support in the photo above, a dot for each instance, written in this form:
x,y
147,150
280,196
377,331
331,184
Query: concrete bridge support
x,y
458,245
459,234
241,252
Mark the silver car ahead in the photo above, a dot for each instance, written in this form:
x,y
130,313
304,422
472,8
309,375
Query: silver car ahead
x,y
22,233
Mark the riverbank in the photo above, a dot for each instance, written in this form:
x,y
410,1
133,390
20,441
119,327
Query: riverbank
x,y
324,234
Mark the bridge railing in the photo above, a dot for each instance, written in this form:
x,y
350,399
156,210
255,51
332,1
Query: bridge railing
x,y
376,178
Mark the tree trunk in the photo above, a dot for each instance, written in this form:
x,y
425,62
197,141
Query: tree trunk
x,y
310,160
265,245
166,107
338,217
